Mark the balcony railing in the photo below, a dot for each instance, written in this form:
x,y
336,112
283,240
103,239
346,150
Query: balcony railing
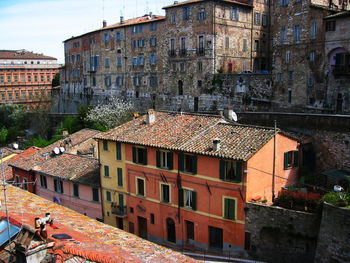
x,y
201,51
172,53
183,52
118,210
341,69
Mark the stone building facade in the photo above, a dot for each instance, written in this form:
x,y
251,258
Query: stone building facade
x,y
337,68
299,32
149,58
26,77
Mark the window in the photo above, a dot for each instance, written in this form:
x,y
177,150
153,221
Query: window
x,y
256,45
186,13
290,75
283,2
283,34
108,81
135,29
289,96
137,81
1,78
76,190
105,145
106,38
310,81
183,46
312,56
188,163
313,31
200,66
43,181
119,61
153,81
106,170
245,46
141,42
3,96
291,159
288,55
330,25
139,155
164,160
108,196
172,45
107,63
165,193
180,87
118,151
140,28
227,43
95,195
135,61
201,15
264,20
118,36
188,198
119,81
29,77
58,185
234,13
153,42
120,177
229,208
182,66
140,184
257,20
48,77
153,26
9,79
152,218
25,184
15,78
153,59
173,18
297,33
230,171
134,43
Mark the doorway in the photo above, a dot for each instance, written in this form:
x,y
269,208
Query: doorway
x,y
120,223
170,225
142,224
215,238
189,230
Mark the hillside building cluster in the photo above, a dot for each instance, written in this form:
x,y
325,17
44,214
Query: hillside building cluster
x,y
192,57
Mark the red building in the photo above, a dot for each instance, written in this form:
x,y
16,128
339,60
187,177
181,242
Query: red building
x,y
26,77
188,176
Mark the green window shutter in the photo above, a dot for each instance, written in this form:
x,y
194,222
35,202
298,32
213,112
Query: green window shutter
x,y
238,171
120,176
158,158
144,152
222,169
296,159
194,164
106,171
108,196
226,208
194,200
62,191
181,197
105,145
232,209
286,161
170,157
55,184
121,200
119,151
134,154
181,162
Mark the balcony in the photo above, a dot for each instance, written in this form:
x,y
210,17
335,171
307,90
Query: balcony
x,y
341,70
183,52
119,210
172,53
201,51
92,69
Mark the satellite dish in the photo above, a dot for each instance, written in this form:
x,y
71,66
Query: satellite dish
x,y
15,146
338,188
62,150
234,116
56,150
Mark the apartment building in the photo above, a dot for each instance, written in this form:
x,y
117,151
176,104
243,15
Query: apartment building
x,y
26,77
148,59
184,178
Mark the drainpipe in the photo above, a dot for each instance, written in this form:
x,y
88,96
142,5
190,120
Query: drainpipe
x,y
274,162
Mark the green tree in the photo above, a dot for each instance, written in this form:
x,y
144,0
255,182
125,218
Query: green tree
x,y
56,80
3,135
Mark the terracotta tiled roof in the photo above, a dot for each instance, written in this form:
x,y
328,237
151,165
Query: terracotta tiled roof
x,y
23,54
128,22
338,15
72,167
28,163
242,2
93,240
193,134
8,151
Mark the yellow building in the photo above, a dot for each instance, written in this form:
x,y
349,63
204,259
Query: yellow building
x,y
113,183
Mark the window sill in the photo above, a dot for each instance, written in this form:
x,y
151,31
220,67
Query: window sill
x,y
231,181
109,177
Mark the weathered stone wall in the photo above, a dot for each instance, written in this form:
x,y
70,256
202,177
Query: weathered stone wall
x,y
280,235
333,239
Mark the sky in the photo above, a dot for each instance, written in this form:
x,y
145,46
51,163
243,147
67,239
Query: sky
x,y
42,25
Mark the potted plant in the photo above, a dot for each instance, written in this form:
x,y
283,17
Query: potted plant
x,y
342,199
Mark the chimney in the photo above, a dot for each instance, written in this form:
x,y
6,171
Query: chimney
x,y
151,116
216,144
228,110
104,23
121,20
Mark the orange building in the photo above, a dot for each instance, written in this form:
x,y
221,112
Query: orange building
x,y
187,177
26,77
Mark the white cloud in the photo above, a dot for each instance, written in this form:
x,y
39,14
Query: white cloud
x,y
41,26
